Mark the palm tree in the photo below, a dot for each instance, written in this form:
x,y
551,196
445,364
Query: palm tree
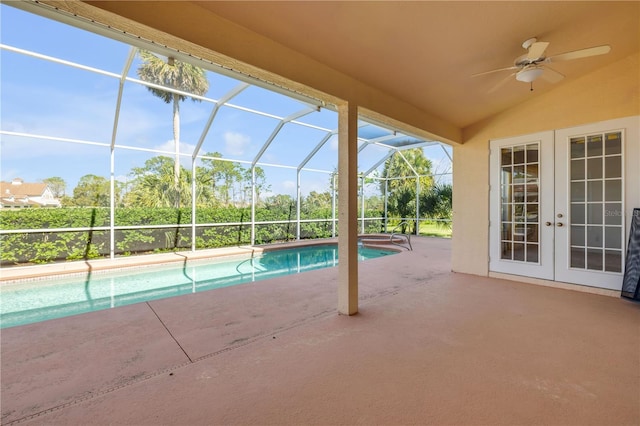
x,y
401,188
437,203
176,75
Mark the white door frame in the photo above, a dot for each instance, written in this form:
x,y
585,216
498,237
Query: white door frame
x,y
554,181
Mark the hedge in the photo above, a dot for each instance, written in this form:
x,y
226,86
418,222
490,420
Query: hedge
x,y
47,247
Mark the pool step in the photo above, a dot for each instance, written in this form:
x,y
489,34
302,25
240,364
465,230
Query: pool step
x,y
401,240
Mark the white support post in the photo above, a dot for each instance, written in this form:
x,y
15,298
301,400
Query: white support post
x,y
253,204
348,209
333,205
193,204
298,205
362,205
417,205
386,201
112,206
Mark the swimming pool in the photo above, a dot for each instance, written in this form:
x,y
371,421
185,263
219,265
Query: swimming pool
x,y
35,301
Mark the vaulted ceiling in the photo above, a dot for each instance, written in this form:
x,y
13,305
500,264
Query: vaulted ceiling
x,y
426,52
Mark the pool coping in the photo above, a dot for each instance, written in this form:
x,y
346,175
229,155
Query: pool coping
x,y
20,274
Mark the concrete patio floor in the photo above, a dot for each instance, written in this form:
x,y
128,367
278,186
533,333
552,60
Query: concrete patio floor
x,y
428,347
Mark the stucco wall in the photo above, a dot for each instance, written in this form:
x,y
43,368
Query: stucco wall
x,y
608,93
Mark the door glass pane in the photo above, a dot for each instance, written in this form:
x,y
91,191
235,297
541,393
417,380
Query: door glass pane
x,y
505,156
577,191
596,201
519,232
506,211
532,253
594,190
577,213
532,153
577,257
506,232
518,193
613,143
519,187
594,168
613,166
594,259
594,236
613,190
507,251
613,237
594,145
518,154
613,214
594,214
577,235
613,260
577,169
577,147
518,252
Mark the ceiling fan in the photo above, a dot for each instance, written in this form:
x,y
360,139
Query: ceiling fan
x,y
527,68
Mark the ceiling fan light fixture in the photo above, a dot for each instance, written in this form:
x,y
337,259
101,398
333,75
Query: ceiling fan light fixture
x,y
529,74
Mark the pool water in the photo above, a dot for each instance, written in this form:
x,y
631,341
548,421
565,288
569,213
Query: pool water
x,y
35,301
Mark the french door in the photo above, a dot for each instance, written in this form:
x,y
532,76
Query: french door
x,y
558,202
521,194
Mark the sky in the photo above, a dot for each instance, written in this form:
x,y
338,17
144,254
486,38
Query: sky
x,y
42,98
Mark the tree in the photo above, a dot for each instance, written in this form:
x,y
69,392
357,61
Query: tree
x,y
153,185
284,203
176,75
437,202
397,167
317,203
260,183
401,189
222,175
92,191
57,185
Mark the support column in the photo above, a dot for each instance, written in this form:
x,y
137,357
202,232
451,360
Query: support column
x,y
348,209
112,205
193,203
417,205
298,205
362,205
333,205
386,201
253,205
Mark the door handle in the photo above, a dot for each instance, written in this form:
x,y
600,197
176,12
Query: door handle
x,y
548,223
559,224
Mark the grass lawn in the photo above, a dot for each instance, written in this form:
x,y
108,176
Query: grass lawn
x,y
429,229
433,229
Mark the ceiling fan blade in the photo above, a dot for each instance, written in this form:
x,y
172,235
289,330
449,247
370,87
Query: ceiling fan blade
x,y
537,50
551,75
583,53
501,83
492,71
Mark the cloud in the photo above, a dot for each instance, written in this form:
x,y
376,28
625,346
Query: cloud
x,y
185,148
169,146
236,143
288,187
